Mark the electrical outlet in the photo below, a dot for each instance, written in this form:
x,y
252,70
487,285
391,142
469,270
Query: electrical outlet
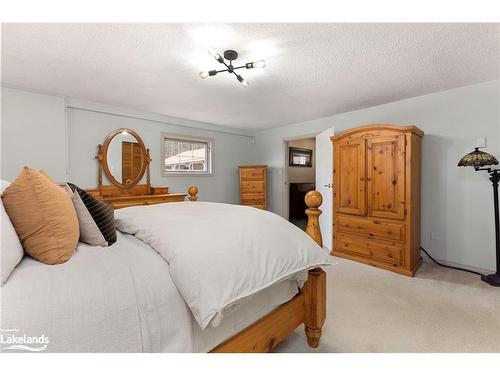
x,y
480,142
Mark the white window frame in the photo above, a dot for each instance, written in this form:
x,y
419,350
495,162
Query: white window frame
x,y
188,138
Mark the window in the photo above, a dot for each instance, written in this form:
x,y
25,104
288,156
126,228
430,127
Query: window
x,y
186,155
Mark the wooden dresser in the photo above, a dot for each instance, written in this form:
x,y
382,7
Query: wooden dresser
x,y
297,204
377,196
124,160
253,186
139,195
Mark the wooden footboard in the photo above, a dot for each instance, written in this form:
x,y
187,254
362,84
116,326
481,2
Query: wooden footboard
x,y
308,306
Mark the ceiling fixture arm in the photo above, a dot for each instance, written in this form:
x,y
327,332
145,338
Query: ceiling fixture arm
x,y
231,55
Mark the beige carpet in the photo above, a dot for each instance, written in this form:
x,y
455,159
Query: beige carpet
x,y
371,310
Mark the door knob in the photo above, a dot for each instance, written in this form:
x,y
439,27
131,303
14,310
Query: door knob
x,y
328,186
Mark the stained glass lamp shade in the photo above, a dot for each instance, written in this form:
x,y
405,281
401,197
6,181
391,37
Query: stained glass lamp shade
x,y
477,159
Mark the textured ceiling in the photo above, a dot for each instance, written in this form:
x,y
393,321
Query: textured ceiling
x,y
313,70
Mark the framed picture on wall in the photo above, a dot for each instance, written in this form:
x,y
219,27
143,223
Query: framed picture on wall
x,y
299,157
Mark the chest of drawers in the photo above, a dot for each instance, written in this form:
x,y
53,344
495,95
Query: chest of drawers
x,y
253,186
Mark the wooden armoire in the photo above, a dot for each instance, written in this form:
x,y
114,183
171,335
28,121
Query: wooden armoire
x,y
376,192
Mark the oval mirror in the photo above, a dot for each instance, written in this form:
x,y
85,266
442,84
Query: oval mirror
x,y
124,158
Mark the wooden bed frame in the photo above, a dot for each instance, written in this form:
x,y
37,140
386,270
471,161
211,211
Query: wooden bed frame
x,y
308,306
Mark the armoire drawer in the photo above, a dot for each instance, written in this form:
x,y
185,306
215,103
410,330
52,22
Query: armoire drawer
x,y
386,251
372,228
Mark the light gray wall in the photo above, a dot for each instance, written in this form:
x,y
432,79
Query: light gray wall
x,y
33,133
303,174
87,129
457,203
39,131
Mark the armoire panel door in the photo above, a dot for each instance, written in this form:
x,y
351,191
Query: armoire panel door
x,y
349,177
386,177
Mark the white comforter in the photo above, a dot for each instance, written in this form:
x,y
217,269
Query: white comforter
x,y
219,253
115,299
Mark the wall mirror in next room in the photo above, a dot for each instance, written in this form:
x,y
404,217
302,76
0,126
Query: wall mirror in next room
x,y
300,157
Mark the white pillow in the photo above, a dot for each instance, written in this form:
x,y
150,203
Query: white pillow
x,y
11,250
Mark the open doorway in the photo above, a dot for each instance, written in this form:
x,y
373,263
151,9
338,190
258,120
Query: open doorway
x,y
317,177
300,159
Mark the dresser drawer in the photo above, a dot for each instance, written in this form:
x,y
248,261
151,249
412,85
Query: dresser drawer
x,y
252,199
252,186
386,251
260,206
252,174
159,190
372,228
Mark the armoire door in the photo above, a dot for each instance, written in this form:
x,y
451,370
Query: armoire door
x,y
386,176
349,177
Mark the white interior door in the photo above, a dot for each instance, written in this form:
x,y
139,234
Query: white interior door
x,y
285,212
324,183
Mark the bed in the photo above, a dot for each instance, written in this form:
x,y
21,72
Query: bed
x,y
124,298
183,275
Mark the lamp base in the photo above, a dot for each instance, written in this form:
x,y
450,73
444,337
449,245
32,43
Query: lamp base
x,y
493,279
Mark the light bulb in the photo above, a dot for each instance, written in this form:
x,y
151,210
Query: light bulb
x,y
242,80
213,52
204,74
259,64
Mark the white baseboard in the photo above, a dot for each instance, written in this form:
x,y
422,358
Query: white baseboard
x,y
426,259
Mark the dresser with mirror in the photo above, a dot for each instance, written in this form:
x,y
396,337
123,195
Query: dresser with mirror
x,y
125,162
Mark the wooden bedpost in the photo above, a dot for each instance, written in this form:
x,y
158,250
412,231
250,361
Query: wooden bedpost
x,y
315,288
193,193
313,200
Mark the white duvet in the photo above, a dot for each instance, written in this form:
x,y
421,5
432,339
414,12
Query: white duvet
x,y
220,253
116,299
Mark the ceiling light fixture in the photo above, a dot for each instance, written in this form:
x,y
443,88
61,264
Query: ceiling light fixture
x,y
231,55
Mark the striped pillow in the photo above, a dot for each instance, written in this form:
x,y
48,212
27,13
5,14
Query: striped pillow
x,y
101,212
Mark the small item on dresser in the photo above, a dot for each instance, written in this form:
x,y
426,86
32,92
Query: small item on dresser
x,y
11,249
253,186
43,216
102,213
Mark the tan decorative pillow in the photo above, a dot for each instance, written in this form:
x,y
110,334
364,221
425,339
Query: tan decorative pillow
x,y
43,216
45,174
